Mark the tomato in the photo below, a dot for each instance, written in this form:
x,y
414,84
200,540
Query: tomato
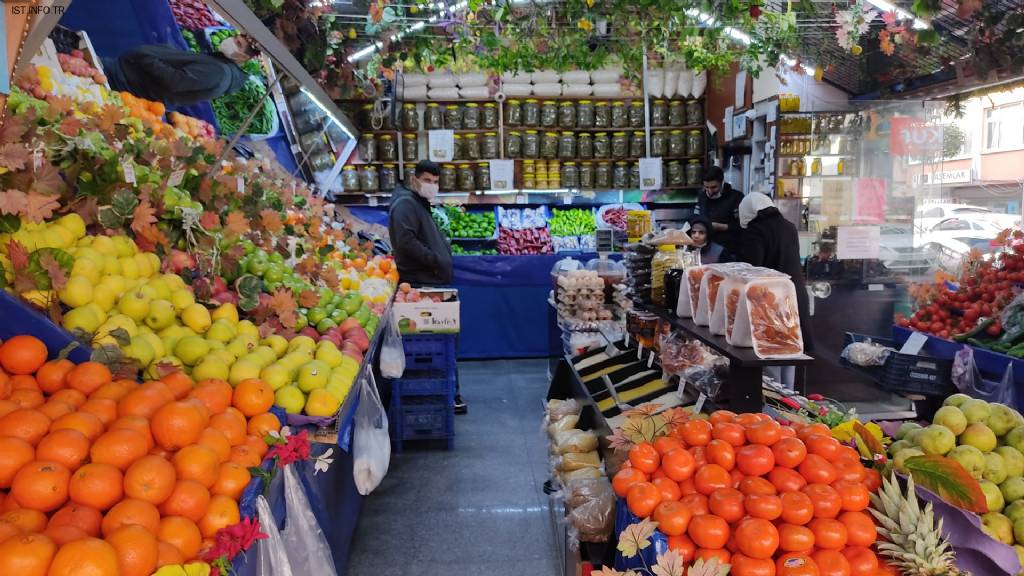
x,y
757,538
794,538
860,528
796,564
727,504
678,464
829,533
797,508
826,500
642,498
626,478
755,460
831,563
708,531
862,560
673,518
687,549
789,452
786,480
669,489
994,329
644,458
722,453
747,566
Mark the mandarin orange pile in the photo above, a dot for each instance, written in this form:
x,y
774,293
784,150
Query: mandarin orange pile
x,y
113,477
770,500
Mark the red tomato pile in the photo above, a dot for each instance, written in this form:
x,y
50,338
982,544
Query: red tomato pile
x,y
768,499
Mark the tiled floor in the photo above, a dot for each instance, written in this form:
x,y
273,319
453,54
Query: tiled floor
x,y
478,509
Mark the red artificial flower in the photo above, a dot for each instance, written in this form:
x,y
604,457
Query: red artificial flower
x,y
231,541
755,12
296,448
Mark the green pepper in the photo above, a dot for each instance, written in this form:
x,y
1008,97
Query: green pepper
x,y
979,329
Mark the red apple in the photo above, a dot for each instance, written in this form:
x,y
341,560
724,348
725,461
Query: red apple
x,y
349,324
310,331
219,285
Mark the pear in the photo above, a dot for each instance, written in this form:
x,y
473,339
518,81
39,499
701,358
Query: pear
x,y
327,352
182,299
221,330
210,368
141,350
1013,459
278,343
951,417
243,370
191,350
276,375
226,312
290,398
196,317
135,305
322,403
161,315
976,411
313,375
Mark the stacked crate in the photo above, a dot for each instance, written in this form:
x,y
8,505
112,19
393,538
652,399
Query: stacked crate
x,y
423,399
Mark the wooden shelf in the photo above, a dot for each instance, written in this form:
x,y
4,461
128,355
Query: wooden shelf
x,y
836,177
815,155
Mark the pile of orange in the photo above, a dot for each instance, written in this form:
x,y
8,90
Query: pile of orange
x,y
151,113
113,477
770,500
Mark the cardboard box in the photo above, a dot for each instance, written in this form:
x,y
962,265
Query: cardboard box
x,y
428,316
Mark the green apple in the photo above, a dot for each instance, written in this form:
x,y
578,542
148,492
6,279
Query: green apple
x,y
993,496
191,349
995,468
937,439
906,427
976,410
313,375
1013,459
290,398
951,417
972,459
1012,489
1015,509
276,375
1001,419
956,400
998,526
329,353
161,315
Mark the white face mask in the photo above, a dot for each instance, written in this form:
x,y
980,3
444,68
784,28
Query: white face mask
x,y
428,190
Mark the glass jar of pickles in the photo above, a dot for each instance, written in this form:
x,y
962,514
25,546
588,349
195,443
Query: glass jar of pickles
x,y
471,147
531,113
570,175
567,146
489,146
483,176
636,114
388,177
586,175
677,113
634,175
620,175
638,145
677,144
585,114
659,144
350,179
410,118
602,145
531,144
410,147
659,113
458,148
513,113
466,178
513,144
549,114
471,116
410,173
453,117
368,180
667,258
675,174
387,148
529,174
620,116
694,112
368,148
489,116
620,145
694,172
433,118
448,180
602,115
695,143
603,175
585,145
567,115
366,117
549,145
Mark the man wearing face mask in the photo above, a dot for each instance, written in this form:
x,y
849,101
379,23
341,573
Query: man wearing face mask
x,y
179,78
720,205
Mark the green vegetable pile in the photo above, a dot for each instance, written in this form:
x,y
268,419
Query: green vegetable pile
x,y
221,35
460,251
462,224
232,110
190,39
573,222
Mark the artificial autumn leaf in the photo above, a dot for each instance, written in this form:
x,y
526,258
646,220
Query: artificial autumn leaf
x,y
71,126
236,224
675,417
209,220
669,564
150,237
14,156
12,201
640,429
307,266
308,299
205,191
267,329
58,106
39,207
13,128
330,277
144,216
109,117
619,442
55,272
87,207
17,254
885,43
47,180
636,537
271,221
947,478
649,409
283,303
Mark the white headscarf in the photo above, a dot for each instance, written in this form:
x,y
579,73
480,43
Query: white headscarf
x,y
752,204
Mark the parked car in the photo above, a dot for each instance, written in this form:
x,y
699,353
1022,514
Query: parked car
x,y
898,251
952,239
927,216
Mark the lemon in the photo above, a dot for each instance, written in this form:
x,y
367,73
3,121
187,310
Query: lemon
x,y
254,358
104,245
88,269
247,327
191,349
153,372
322,403
328,353
73,223
313,375
301,342
210,368
182,299
116,283
144,265
125,246
155,343
161,315
77,292
290,398
141,350
276,375
104,297
243,370
196,317
278,343
227,312
159,285
135,305
82,318
221,331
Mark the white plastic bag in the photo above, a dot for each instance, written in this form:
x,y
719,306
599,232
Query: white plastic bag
x,y
371,446
271,554
392,353
304,540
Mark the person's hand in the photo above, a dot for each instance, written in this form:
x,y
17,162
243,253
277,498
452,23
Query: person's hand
x,y
719,227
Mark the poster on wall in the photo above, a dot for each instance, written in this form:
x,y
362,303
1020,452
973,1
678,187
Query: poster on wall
x,y
502,174
441,144
650,173
858,242
911,137
836,202
869,199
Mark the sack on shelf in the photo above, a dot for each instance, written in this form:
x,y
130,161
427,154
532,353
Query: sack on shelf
x,y
577,461
685,84
558,409
516,78
545,77
672,79
472,79
441,79
576,77
590,503
563,424
308,551
547,89
577,90
700,82
416,92
574,441
448,93
608,75
414,79
709,284
516,90
582,473
689,291
474,92
656,82
607,90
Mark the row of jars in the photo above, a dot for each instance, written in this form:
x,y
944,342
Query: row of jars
x,y
587,114
366,178
548,175
472,116
570,145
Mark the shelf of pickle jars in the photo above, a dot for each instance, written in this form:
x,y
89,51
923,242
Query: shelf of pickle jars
x,y
816,177
813,155
609,129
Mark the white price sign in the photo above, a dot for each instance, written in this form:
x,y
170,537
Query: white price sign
x,y
176,177
502,174
441,144
129,171
650,173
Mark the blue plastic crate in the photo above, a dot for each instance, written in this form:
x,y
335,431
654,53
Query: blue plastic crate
x,y
424,383
422,418
429,352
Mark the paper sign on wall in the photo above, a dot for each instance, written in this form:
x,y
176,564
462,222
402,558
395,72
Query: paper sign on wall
x,y
869,198
650,173
441,144
858,242
502,174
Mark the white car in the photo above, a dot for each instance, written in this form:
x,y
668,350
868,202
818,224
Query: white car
x,y
898,252
949,241
928,216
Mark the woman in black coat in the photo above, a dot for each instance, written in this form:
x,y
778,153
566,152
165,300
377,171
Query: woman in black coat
x,y
771,241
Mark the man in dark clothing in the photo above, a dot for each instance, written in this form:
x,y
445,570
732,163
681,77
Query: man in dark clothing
x,y
719,204
179,78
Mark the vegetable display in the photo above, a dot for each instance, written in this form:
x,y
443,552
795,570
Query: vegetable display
x,y
464,224
573,222
460,251
193,14
190,39
523,242
232,110
218,36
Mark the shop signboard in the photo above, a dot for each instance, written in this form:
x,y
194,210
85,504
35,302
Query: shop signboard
x,y
911,137
428,316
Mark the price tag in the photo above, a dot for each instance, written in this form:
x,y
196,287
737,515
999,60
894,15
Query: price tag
x,y
37,159
914,343
681,391
240,184
372,200
176,177
650,360
520,198
567,199
611,389
502,174
650,173
441,145
129,171
700,403
640,351
627,339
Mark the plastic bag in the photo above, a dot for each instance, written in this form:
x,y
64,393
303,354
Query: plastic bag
x,y
704,379
579,460
371,446
308,551
574,441
968,379
271,555
866,354
563,424
591,502
964,373
392,353
558,409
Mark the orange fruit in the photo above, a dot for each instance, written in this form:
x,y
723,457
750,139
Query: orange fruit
x,y
137,424
796,564
831,563
26,519
67,447
181,533
786,479
789,452
722,453
24,382
766,506
85,518
669,489
14,454
727,504
794,538
88,557
88,424
22,354
113,391
708,531
817,470
625,478
232,423
72,397
245,456
252,397
262,424
168,555
797,508
98,485
673,518
28,424
684,545
105,410
707,554
119,448
26,398
765,433
730,432
52,376
189,499
746,566
642,498
757,538
128,512
827,502
257,445
709,478
755,485
862,560
198,463
136,550
64,533
178,424
860,528
151,479
54,409
696,432
215,394
41,485
179,383
663,444
855,497
850,470
215,440
755,459
829,533
823,445
145,400
644,457
6,407
27,555
232,480
87,377
223,512
872,479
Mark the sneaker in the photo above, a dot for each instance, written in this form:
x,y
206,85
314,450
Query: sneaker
x,y
460,405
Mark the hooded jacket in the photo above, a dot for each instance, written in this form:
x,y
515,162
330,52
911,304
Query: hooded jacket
x,y
422,254
722,210
176,77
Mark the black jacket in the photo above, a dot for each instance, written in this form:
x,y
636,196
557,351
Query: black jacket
x,y
722,210
175,77
421,252
772,241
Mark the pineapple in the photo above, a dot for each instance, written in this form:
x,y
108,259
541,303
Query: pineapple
x,y
914,543
710,568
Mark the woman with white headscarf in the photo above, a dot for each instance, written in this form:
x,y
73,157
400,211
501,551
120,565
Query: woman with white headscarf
x,y
771,241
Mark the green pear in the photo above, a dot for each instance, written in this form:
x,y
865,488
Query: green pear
x,y
906,427
976,411
1015,509
993,496
937,439
1001,419
1013,489
900,458
972,459
956,400
1013,459
980,436
951,417
995,468
290,398
998,527
161,315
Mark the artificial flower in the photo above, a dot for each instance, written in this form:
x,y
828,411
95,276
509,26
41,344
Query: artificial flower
x,y
323,461
584,24
294,449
